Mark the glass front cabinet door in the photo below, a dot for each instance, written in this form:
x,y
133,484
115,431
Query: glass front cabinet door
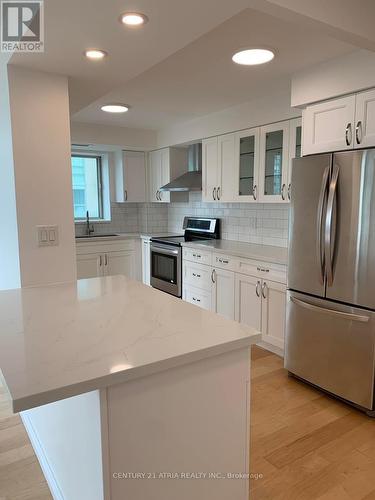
x,y
247,165
295,148
274,160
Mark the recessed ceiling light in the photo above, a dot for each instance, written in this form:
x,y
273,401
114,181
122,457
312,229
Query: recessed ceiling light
x,y
251,57
95,54
133,18
115,108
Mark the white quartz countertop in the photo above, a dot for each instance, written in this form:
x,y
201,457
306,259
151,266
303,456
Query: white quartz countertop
x,y
62,340
276,255
121,236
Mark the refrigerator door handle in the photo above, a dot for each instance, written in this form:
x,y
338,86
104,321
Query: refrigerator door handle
x,y
322,201
330,225
324,310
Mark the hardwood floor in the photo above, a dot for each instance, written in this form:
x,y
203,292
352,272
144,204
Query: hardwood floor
x,y
21,477
304,445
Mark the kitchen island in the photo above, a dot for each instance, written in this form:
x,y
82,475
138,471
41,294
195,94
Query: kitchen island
x,y
127,392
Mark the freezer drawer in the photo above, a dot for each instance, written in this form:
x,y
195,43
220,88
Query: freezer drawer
x,y
331,346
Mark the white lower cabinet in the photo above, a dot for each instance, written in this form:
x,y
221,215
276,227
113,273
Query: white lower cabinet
x,y
262,305
273,313
119,263
248,300
105,259
248,296
223,292
88,266
146,264
201,298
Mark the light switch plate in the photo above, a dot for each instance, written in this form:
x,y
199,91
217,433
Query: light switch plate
x,y
48,236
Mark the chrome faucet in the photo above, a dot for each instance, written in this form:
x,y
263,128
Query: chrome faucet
x,y
89,229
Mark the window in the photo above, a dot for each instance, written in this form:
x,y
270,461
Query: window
x,y
87,186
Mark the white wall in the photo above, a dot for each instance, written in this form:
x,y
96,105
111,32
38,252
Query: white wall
x,y
272,108
67,438
342,75
41,150
352,22
86,133
9,257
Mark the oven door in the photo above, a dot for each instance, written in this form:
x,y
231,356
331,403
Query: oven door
x,y
166,268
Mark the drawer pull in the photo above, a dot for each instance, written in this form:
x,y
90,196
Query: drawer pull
x,y
196,300
224,261
197,256
263,269
196,275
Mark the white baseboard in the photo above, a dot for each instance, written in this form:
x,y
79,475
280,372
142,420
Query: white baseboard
x,y
42,458
271,348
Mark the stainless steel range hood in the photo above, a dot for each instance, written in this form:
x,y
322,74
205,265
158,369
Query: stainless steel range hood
x,y
192,179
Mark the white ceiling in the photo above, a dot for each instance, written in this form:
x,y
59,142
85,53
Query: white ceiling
x,y
71,26
201,78
178,66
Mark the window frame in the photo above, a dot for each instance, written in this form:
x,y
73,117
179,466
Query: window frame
x,y
99,173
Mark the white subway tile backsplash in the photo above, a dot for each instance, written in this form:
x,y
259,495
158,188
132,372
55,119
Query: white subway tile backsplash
x,y
249,222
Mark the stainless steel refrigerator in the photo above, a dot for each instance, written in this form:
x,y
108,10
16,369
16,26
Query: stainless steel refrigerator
x,y
330,327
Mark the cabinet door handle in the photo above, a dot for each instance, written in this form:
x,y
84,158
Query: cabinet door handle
x,y
358,132
289,191
157,197
214,193
283,192
218,193
348,134
264,288
257,289
255,192
224,261
126,195
106,260
213,274
160,196
100,261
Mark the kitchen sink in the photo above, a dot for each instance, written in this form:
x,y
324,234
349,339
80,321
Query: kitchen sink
x,y
106,235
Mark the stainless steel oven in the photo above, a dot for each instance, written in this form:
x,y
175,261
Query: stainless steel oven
x,y
165,268
166,253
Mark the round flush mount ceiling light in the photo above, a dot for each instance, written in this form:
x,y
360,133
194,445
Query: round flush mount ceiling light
x,y
252,57
133,19
95,54
115,108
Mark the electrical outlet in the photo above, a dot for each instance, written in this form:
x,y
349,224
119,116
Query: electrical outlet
x,y
48,236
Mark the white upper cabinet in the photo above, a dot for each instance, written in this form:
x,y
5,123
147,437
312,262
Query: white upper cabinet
x,y
329,126
154,175
209,169
130,174
165,165
165,173
364,135
295,148
246,168
274,160
226,167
